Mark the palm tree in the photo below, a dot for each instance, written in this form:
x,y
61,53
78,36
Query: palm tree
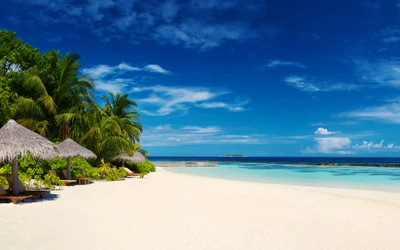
x,y
144,152
105,136
120,108
72,92
34,111
52,105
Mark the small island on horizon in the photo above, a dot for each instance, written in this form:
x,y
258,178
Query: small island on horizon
x,y
234,155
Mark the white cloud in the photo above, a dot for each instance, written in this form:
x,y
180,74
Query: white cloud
x,y
95,8
101,71
332,144
107,78
385,113
384,72
323,131
343,145
392,39
110,86
369,145
202,130
197,34
390,34
308,86
277,63
234,107
167,135
156,68
168,100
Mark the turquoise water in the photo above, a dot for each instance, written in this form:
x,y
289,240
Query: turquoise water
x,y
370,178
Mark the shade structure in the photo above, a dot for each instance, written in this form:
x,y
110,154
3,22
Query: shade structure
x,y
69,148
16,140
123,157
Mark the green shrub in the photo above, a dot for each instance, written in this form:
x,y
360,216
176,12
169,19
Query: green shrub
x,y
81,168
28,169
109,172
31,168
57,164
143,168
5,169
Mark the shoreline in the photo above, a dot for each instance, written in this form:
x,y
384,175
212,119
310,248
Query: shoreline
x,y
319,164
376,195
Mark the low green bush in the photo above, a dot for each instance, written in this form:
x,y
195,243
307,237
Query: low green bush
x,y
5,169
81,168
143,168
31,168
28,169
109,172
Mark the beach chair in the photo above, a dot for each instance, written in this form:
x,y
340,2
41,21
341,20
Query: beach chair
x,y
66,182
130,173
4,195
80,181
22,189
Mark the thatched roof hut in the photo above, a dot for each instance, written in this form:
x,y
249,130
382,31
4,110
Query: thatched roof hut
x,y
136,158
16,141
69,148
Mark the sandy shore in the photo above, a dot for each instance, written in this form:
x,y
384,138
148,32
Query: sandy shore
x,y
172,211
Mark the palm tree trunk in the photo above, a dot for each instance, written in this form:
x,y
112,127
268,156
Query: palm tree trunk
x,y
64,130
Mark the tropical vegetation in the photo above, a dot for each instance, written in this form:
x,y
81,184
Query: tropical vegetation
x,y
47,93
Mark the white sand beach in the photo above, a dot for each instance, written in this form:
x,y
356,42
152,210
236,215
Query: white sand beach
x,y
173,211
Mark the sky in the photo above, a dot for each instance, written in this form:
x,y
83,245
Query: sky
x,y
258,78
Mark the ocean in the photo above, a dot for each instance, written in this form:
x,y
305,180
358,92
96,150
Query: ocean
x,y
286,170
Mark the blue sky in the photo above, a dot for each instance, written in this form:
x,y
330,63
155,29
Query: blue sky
x,y
259,78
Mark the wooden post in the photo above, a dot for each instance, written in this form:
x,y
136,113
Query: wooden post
x,y
14,164
68,168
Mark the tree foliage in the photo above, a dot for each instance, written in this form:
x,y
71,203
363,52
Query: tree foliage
x,y
47,94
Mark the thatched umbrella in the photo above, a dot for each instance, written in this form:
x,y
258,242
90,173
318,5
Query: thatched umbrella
x,y
68,148
16,140
137,157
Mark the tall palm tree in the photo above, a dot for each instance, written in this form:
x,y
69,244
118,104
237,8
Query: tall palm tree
x,y
35,110
121,109
49,106
71,93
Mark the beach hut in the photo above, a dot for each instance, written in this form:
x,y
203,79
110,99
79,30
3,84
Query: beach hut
x,y
136,158
16,141
69,148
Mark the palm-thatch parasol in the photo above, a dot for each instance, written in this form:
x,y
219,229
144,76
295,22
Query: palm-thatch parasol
x,y
68,148
16,140
137,157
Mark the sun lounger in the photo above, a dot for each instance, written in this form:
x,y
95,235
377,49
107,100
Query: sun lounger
x,y
130,173
66,182
14,198
22,189
81,181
